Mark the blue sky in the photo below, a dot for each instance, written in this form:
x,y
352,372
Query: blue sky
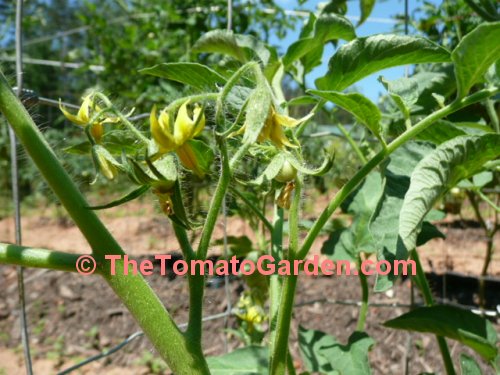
x,y
378,23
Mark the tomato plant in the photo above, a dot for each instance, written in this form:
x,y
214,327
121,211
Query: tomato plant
x,y
238,119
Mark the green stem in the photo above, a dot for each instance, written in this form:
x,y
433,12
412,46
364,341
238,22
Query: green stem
x,y
184,243
274,280
429,301
279,352
294,219
490,234
353,143
490,108
347,189
289,364
254,209
196,289
363,311
229,86
215,204
37,258
134,291
279,355
122,118
192,98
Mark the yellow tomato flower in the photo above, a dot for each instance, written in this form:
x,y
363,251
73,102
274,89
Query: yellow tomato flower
x,y
273,128
185,129
83,117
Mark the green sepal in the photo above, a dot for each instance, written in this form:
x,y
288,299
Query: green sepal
x,y
127,198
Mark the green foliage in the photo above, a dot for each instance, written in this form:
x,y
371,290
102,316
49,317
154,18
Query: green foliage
x,y
454,323
361,107
474,55
327,27
439,171
364,56
251,360
468,365
193,74
323,353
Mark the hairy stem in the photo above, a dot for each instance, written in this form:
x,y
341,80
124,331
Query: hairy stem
x,y
279,352
275,280
429,301
363,311
352,143
133,290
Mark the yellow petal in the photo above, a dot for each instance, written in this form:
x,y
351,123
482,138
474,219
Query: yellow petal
x,y
279,138
199,118
183,126
287,121
74,119
97,131
160,132
188,159
265,133
84,111
240,131
106,167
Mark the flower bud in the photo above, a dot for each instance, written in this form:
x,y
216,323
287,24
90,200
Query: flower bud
x,y
287,173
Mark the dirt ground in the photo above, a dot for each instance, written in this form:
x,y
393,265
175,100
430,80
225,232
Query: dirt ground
x,y
72,317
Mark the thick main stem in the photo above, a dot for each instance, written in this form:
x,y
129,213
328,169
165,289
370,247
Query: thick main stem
x,y
134,291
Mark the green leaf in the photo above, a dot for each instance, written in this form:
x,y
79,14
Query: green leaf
x,y
272,169
238,245
196,75
127,198
327,27
403,91
251,360
255,47
451,322
83,148
468,366
220,41
366,7
439,171
347,243
475,53
440,81
441,131
323,353
204,155
364,56
302,100
385,218
361,108
257,111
